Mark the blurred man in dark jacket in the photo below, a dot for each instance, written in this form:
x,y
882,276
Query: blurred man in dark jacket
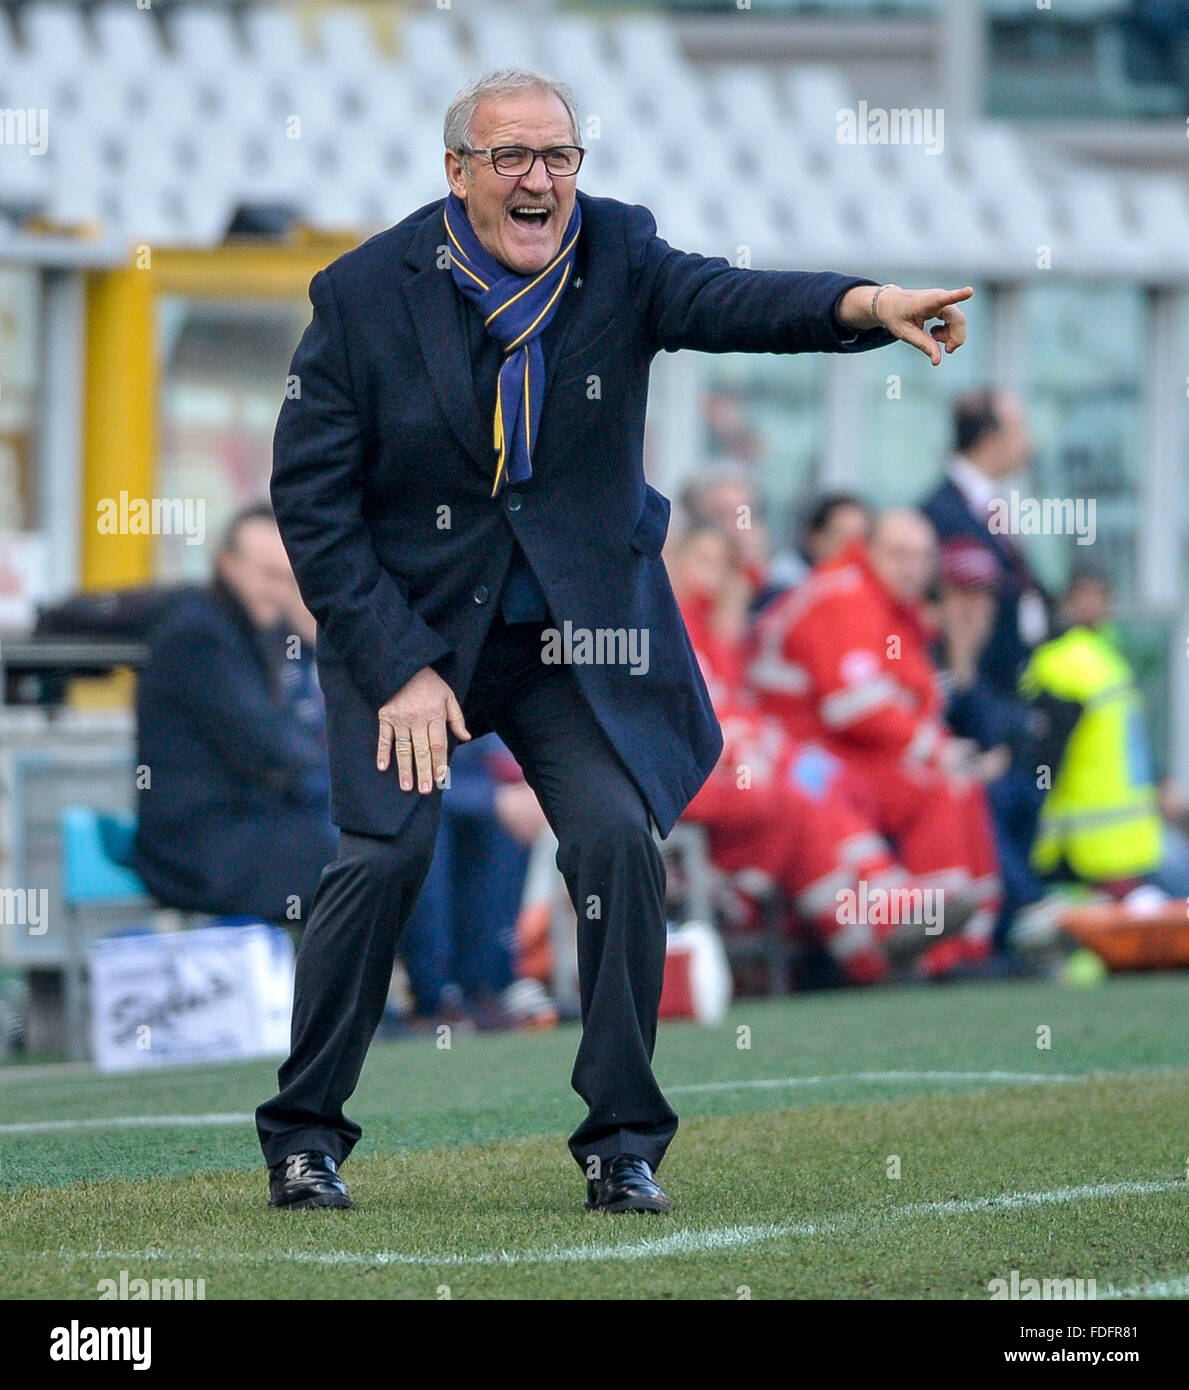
x,y
992,445
1003,726
233,781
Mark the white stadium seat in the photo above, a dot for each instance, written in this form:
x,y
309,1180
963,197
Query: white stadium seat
x,y
56,36
431,55
162,125
275,40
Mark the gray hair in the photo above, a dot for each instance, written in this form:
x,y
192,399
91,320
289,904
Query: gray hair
x,y
460,115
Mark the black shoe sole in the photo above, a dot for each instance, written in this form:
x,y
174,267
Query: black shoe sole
x,y
304,1203
643,1205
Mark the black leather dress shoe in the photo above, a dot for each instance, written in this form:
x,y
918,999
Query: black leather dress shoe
x,y
309,1179
627,1185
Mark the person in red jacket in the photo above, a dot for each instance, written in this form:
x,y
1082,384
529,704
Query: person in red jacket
x,y
774,806
843,659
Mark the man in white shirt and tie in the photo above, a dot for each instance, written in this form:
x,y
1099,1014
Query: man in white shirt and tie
x,y
992,444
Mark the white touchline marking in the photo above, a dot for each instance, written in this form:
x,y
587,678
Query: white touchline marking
x,y
1025,1078
127,1122
1162,1288
1030,1078
687,1242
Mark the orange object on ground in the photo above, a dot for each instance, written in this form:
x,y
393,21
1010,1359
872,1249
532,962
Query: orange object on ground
x,y
1133,938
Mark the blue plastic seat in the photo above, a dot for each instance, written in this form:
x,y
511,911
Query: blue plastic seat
x,y
96,853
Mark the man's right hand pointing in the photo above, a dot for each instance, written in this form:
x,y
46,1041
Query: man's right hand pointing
x,y
415,719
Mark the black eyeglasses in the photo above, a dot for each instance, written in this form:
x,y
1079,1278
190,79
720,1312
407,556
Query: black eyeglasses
x,y
513,161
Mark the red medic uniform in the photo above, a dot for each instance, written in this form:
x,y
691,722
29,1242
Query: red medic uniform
x,y
776,811
841,661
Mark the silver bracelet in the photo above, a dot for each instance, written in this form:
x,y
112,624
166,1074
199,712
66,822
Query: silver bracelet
x,y
875,301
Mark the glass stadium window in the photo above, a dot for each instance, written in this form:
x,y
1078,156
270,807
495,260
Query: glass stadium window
x,y
764,412
905,403
222,372
1084,397
1096,58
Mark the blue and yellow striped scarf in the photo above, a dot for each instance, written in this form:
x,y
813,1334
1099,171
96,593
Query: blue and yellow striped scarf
x,y
516,309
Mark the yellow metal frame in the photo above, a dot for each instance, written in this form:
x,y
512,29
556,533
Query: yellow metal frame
x,y
122,376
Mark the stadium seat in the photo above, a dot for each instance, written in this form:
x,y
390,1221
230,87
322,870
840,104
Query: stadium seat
x,y
275,40
163,125
814,94
431,56
206,39
505,37
1162,211
648,49
714,897
96,852
126,36
346,41
96,847
56,37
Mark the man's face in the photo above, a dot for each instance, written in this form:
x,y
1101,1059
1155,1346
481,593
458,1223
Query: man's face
x,y
1088,603
903,553
969,609
845,523
701,565
1010,448
258,572
723,502
523,242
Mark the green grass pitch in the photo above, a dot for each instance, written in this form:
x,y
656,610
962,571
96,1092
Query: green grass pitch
x,y
1065,1161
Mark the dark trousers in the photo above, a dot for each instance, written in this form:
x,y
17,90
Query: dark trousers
x,y
462,931
1015,803
612,870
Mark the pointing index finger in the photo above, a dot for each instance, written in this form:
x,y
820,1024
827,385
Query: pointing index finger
x,y
954,296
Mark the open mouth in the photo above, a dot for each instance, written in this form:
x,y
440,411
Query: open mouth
x,y
530,215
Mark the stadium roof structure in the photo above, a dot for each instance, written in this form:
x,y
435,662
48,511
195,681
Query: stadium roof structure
x,y
163,128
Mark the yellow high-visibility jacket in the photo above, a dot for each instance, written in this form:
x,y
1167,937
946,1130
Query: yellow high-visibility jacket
x,y
1100,815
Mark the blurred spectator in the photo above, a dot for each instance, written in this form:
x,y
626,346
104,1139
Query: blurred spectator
x,y
844,661
302,692
1173,875
835,519
773,805
1002,727
727,495
825,526
1100,820
459,944
991,445
234,817
733,437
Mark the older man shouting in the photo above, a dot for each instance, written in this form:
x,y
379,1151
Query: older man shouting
x,y
460,486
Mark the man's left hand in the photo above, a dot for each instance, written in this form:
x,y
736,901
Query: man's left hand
x,y
905,313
